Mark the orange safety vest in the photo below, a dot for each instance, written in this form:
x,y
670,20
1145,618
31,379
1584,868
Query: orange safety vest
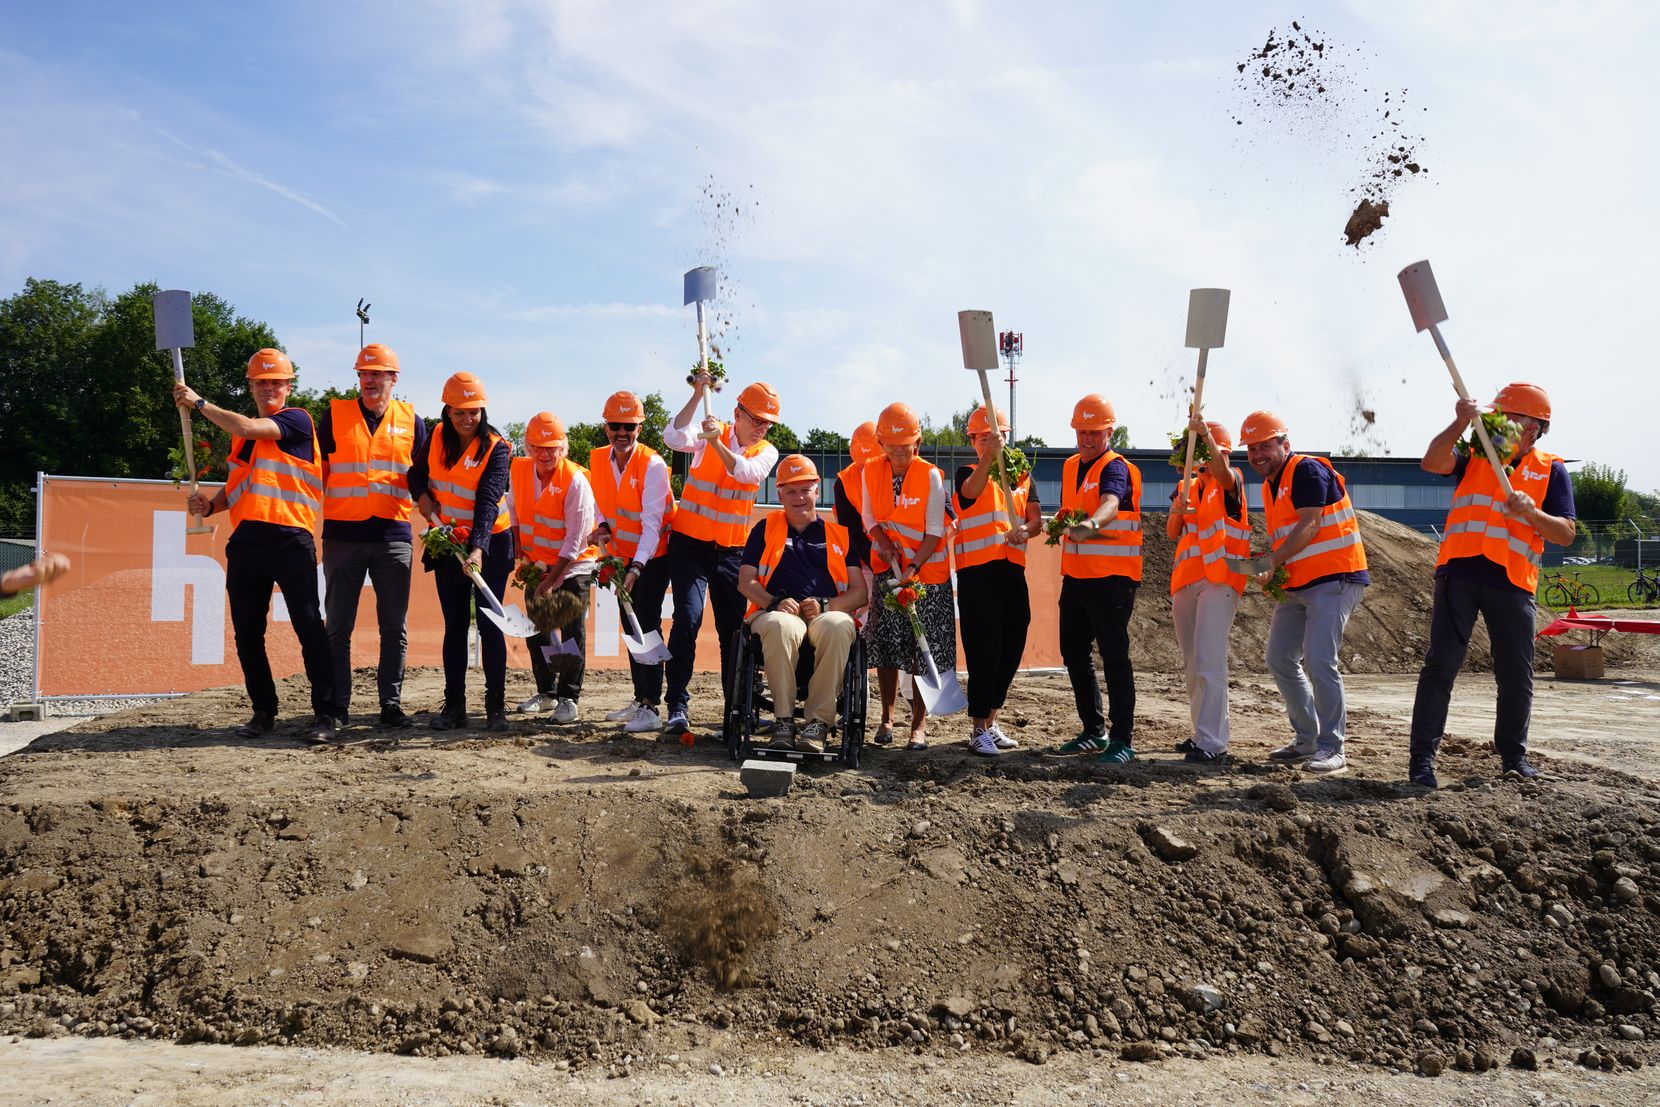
x,y
778,531
851,482
368,474
983,526
906,520
456,489
542,518
1335,547
1117,552
1209,537
273,486
715,506
1478,527
621,501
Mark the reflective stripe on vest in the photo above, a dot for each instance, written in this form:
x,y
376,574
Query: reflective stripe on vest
x,y
273,486
778,531
455,489
541,517
622,501
1210,536
906,519
983,526
715,507
1477,525
1117,552
1336,546
368,474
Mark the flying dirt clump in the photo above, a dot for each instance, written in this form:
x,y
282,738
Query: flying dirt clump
x,y
718,914
1368,217
722,216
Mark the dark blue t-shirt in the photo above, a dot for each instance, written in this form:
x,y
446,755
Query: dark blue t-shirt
x,y
803,568
1115,481
1313,484
296,442
1558,501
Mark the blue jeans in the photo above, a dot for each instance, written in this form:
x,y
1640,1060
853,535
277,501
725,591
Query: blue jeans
x,y
1303,641
700,571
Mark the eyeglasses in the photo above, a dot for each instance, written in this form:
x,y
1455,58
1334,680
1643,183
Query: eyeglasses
x,y
622,427
763,423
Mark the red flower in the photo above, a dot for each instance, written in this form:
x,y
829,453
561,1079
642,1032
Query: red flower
x,y
606,572
461,534
906,596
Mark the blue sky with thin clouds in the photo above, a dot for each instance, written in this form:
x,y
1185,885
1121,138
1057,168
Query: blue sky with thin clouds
x,y
518,188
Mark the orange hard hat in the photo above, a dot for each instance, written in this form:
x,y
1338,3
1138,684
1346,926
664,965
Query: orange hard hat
x,y
793,470
270,365
864,446
464,390
376,356
623,407
1220,434
898,425
1523,399
544,429
760,400
1093,413
1260,426
980,423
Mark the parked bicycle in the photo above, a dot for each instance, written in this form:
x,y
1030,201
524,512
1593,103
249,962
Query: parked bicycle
x,y
1560,591
1645,589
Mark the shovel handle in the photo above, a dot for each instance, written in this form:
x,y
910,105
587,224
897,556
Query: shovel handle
x,y
1198,399
1464,394
184,430
633,623
478,582
703,353
1002,473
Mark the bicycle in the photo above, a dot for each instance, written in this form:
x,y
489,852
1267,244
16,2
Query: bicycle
x,y
1645,589
1560,591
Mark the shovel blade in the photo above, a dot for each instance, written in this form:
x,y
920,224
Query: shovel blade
x,y
1207,318
699,285
1248,566
175,328
648,649
512,621
942,694
979,335
1423,297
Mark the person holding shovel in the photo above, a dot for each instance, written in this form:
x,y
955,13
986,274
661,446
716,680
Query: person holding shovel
x,y
1100,572
1316,540
730,462
990,554
275,498
461,481
552,508
369,444
635,510
904,515
1211,523
1489,566
798,577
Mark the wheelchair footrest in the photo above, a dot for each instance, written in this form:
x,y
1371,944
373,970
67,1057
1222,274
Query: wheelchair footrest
x,y
764,753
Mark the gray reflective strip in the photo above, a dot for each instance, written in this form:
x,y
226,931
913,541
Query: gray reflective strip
x,y
455,491
624,513
1187,552
348,493
233,493
1213,556
348,466
1122,525
1212,529
692,507
396,491
1472,500
1325,521
1238,531
398,467
547,543
282,494
1491,530
702,485
1096,550
908,532
977,544
1342,541
271,465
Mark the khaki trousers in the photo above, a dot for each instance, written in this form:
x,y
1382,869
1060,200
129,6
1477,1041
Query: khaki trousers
x,y
831,635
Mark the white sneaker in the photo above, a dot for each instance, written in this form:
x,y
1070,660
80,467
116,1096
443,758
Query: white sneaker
x,y
1291,751
644,718
1004,742
984,743
677,723
539,702
623,714
565,711
1326,763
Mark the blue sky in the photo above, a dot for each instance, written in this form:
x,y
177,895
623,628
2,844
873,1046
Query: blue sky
x,y
518,187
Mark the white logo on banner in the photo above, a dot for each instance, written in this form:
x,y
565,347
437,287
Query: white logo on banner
x,y
172,571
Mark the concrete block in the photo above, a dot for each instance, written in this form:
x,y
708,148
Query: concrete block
x,y
23,713
766,778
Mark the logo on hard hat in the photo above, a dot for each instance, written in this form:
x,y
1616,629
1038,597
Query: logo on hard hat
x,y
467,392
368,357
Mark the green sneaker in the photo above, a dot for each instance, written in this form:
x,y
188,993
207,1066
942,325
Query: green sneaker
x,y
1118,753
1085,743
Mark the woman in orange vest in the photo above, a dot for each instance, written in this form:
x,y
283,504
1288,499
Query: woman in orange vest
x,y
275,499
462,480
904,515
996,608
552,507
1100,572
1489,566
1210,523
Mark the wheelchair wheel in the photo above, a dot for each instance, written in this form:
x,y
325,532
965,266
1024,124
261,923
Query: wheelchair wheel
x,y
740,715
855,696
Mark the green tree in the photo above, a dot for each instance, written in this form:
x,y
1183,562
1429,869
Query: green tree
x,y
515,433
657,417
784,438
1030,442
821,441
1120,439
1600,496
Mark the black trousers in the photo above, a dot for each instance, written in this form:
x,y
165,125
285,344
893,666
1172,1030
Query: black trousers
x,y
648,592
252,569
1095,612
994,611
1509,615
455,594
567,682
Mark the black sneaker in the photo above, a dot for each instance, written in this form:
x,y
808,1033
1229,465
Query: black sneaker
x,y
496,721
1186,745
1421,771
1522,767
1204,757
322,731
444,720
391,715
258,726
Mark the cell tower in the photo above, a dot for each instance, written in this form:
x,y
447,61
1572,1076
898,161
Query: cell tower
x,y
1011,344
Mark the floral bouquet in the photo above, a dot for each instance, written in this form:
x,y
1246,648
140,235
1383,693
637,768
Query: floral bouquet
x,y
1275,588
1178,450
609,573
181,468
1506,434
527,575
717,370
902,596
1057,527
448,540
1015,465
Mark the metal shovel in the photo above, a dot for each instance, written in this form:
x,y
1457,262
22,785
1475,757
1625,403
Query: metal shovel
x,y
1248,566
979,338
647,649
1207,326
175,332
1423,300
511,620
698,286
941,693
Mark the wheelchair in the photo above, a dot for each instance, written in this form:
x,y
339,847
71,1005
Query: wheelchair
x,y
743,714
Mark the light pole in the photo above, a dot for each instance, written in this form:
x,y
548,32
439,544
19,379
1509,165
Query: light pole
x,y
1011,344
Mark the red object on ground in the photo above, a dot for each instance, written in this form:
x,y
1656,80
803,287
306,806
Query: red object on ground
x,y
1597,625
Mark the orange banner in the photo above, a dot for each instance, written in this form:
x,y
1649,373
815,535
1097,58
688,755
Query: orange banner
x,y
143,609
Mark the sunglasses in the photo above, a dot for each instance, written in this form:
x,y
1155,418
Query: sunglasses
x,y
621,427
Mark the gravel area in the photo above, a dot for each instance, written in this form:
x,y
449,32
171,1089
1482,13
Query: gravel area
x,y
17,673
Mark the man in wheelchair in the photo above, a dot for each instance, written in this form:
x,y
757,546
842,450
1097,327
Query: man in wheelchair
x,y
796,575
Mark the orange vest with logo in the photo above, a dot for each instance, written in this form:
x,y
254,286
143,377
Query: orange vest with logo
x,y
456,489
714,505
1210,536
1335,547
1117,552
542,518
368,474
622,501
778,531
905,520
273,486
983,526
1478,527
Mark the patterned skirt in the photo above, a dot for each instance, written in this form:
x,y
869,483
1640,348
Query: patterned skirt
x,y
890,642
